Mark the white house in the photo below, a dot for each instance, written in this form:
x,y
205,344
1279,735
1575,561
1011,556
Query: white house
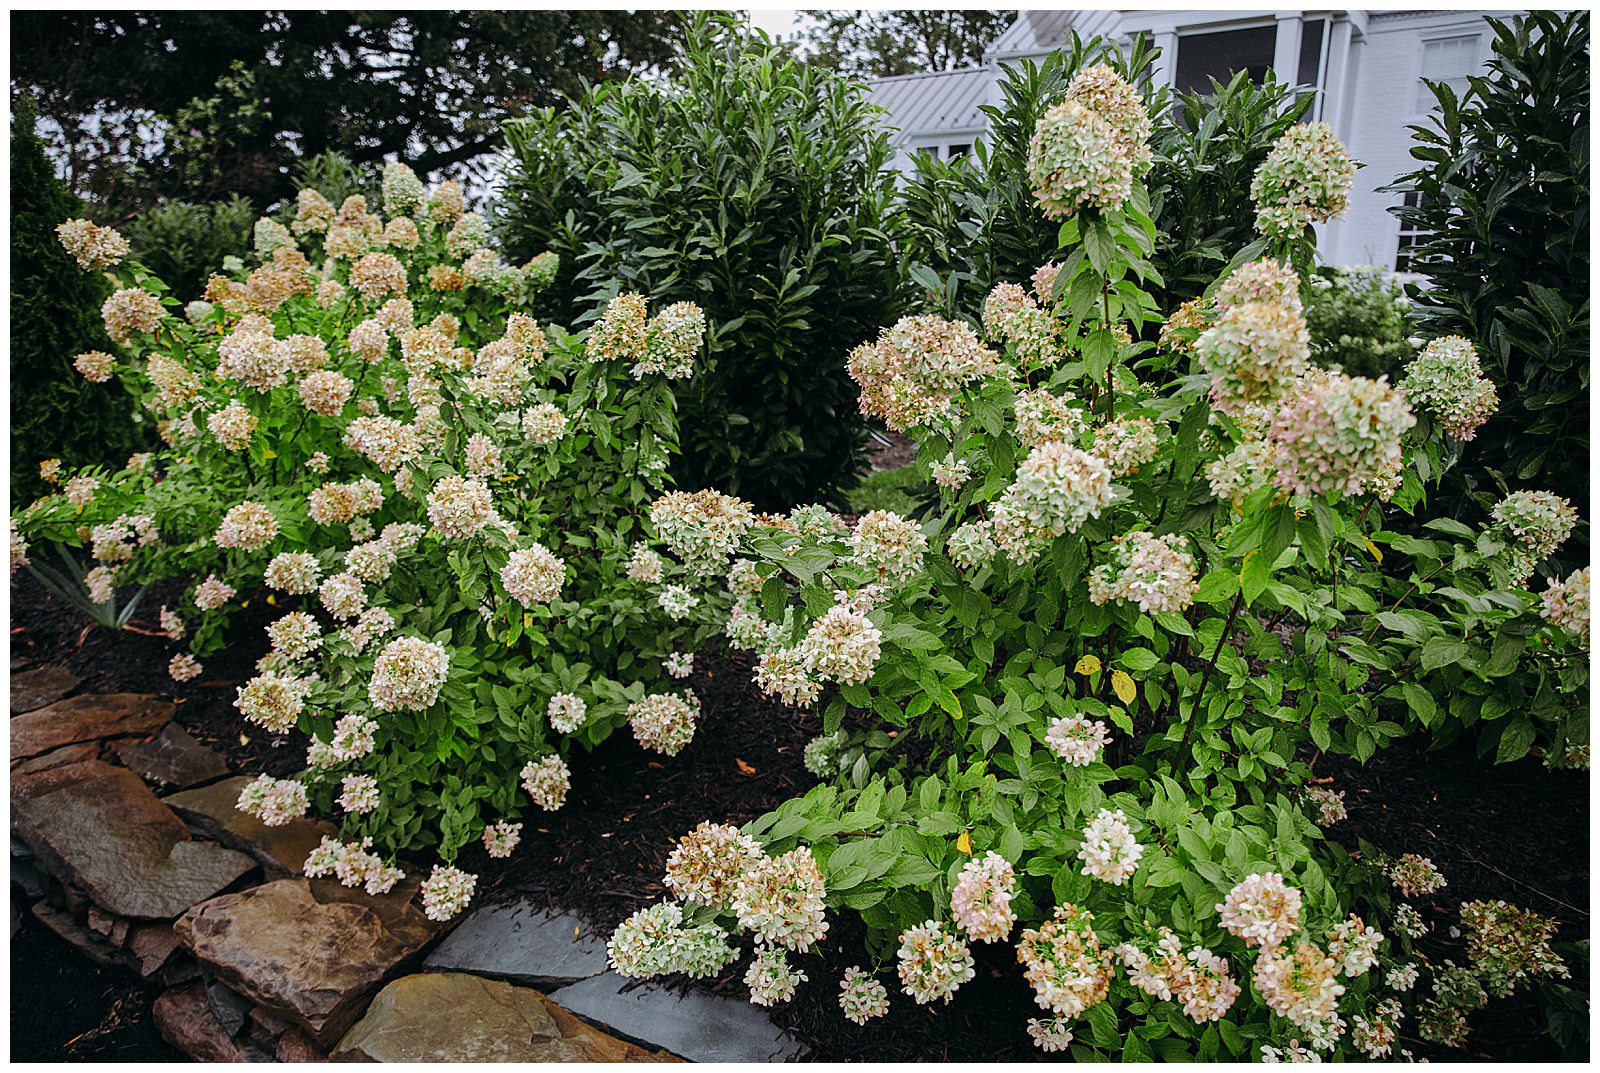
x,y
1366,68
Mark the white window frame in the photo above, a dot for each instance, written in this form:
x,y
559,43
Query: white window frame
x,y
1435,37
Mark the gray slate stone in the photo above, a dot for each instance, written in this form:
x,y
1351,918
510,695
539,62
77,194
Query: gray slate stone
x,y
695,1025
520,942
41,686
110,836
173,758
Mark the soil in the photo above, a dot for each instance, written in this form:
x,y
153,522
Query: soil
x,y
900,451
66,1008
1516,832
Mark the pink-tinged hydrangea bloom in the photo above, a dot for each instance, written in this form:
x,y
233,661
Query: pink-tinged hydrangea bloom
x,y
96,366
1305,179
934,962
1059,487
1262,910
500,839
1064,963
1509,946
664,722
274,801
980,902
295,635
294,572
1338,433
459,507
446,892
408,673
533,575
1447,380
1126,444
131,312
1374,1035
1254,353
1302,985
910,375
1413,874
359,793
702,528
247,527
1197,979
1051,1034
547,781
780,899
232,425
1566,604
353,865
1265,280
770,977
544,423
1354,945
184,667
91,245
566,712
1077,739
1044,417
1537,523
325,392
1077,159
212,593
273,701
708,862
842,645
1010,315
1154,572
861,997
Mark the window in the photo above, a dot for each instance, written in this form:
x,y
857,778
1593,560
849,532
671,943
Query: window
x,y
1411,235
1202,57
929,150
1450,60
958,150
1309,70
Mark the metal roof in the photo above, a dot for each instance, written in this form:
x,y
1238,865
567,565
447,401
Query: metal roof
x,y
935,102
1038,32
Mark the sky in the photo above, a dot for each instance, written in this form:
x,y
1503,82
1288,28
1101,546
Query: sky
x,y
776,21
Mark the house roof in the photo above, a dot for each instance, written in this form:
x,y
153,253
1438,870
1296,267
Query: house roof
x,y
935,102
1037,32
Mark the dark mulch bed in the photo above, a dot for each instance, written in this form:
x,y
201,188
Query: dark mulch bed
x,y
46,629
901,450
1515,832
66,1008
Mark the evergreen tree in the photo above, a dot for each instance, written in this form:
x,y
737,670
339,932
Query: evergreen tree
x,y
55,315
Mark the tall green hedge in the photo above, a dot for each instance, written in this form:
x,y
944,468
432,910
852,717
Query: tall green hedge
x,y
1502,191
55,315
760,188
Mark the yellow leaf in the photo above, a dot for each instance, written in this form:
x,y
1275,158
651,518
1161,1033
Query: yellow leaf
x,y
245,604
272,599
1376,554
527,620
269,453
1123,687
1247,557
744,768
964,843
1087,665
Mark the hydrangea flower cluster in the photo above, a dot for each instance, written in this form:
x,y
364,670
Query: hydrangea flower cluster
x,y
1537,523
1087,150
1354,945
1058,488
861,997
1044,417
933,963
1064,963
1262,910
702,528
1077,739
1447,380
273,701
247,527
446,891
664,722
92,246
1154,572
1305,179
770,977
533,575
1109,850
1566,604
910,375
500,839
353,865
980,902
706,865
1301,985
274,801
1374,1035
1011,316
780,900
888,545
656,941
408,673
1329,804
566,712
666,343
1414,875
359,794
1197,979
1509,946
1339,433
1254,353
547,781
1050,1034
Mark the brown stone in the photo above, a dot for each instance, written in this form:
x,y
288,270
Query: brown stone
x,y
87,718
151,946
295,1046
40,686
458,1017
94,946
173,758
185,1020
310,950
113,929
70,763
110,835
214,811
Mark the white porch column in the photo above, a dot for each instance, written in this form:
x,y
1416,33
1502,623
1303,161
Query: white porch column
x,y
1286,56
1337,82
1165,70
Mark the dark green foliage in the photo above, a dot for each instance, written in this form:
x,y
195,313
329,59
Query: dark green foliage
x,y
1357,320
55,315
1207,149
879,43
184,243
1503,179
973,222
756,186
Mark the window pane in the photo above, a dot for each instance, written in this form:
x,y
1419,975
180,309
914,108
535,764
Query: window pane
x,y
959,150
1202,57
1310,53
1451,60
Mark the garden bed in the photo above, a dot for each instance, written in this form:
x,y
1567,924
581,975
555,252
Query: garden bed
x,y
603,854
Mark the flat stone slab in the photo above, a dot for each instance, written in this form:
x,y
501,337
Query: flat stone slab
x,y
185,1018
87,718
695,1025
91,944
522,943
108,834
173,758
309,950
457,1017
41,686
214,811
